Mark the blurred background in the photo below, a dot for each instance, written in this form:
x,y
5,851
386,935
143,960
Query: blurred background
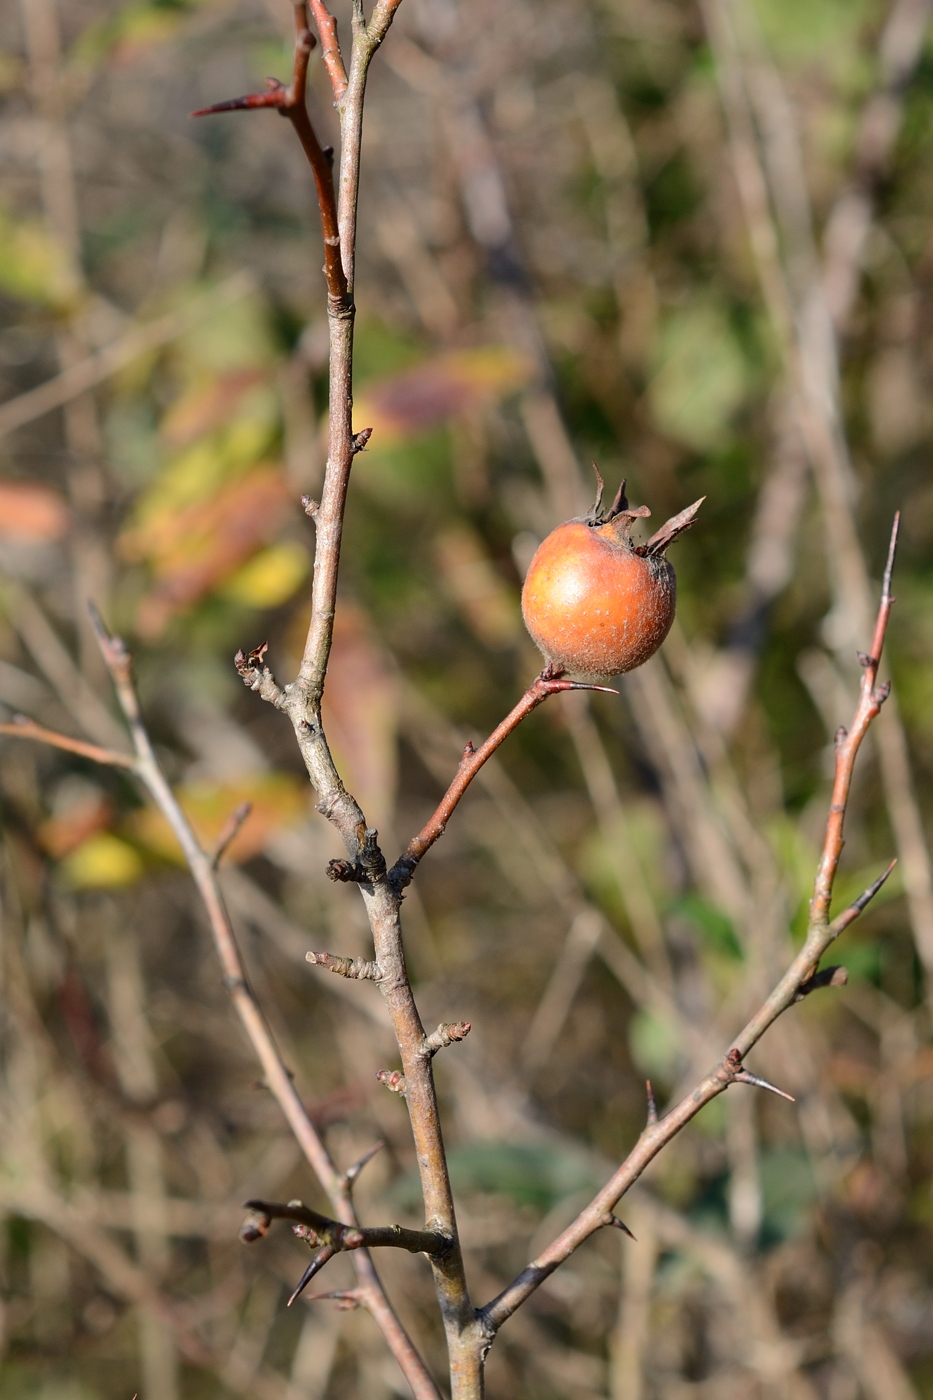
x,y
690,239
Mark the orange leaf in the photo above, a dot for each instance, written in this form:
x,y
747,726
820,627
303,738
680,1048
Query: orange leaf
x,y
206,406
194,549
438,390
360,713
32,512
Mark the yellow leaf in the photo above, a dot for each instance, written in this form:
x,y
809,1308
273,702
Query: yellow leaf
x,y
270,578
33,266
102,862
438,390
276,799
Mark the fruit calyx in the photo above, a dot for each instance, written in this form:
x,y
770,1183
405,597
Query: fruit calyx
x,y
622,516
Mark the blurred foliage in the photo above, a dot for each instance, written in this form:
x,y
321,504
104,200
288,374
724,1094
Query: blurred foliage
x,y
553,266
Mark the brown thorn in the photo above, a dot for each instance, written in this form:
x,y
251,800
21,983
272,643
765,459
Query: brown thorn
x,y
316,1265
556,687
652,1105
345,1300
850,914
351,1173
743,1077
618,1224
889,564
826,977
274,97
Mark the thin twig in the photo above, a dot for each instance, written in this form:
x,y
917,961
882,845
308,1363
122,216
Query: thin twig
x,y
547,683
23,728
230,831
276,1075
330,47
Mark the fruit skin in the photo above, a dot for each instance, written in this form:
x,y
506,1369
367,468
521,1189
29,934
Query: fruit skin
x,y
594,602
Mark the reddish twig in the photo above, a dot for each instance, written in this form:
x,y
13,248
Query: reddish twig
x,y
800,977
330,47
291,102
549,682
847,746
23,728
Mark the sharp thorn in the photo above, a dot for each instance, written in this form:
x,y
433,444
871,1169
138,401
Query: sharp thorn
x,y
743,1077
317,1263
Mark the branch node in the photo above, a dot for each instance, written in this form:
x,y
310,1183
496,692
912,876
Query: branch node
x,y
344,872
617,1224
310,506
840,737
447,1033
864,660
360,439
256,676
737,1074
393,1079
357,968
